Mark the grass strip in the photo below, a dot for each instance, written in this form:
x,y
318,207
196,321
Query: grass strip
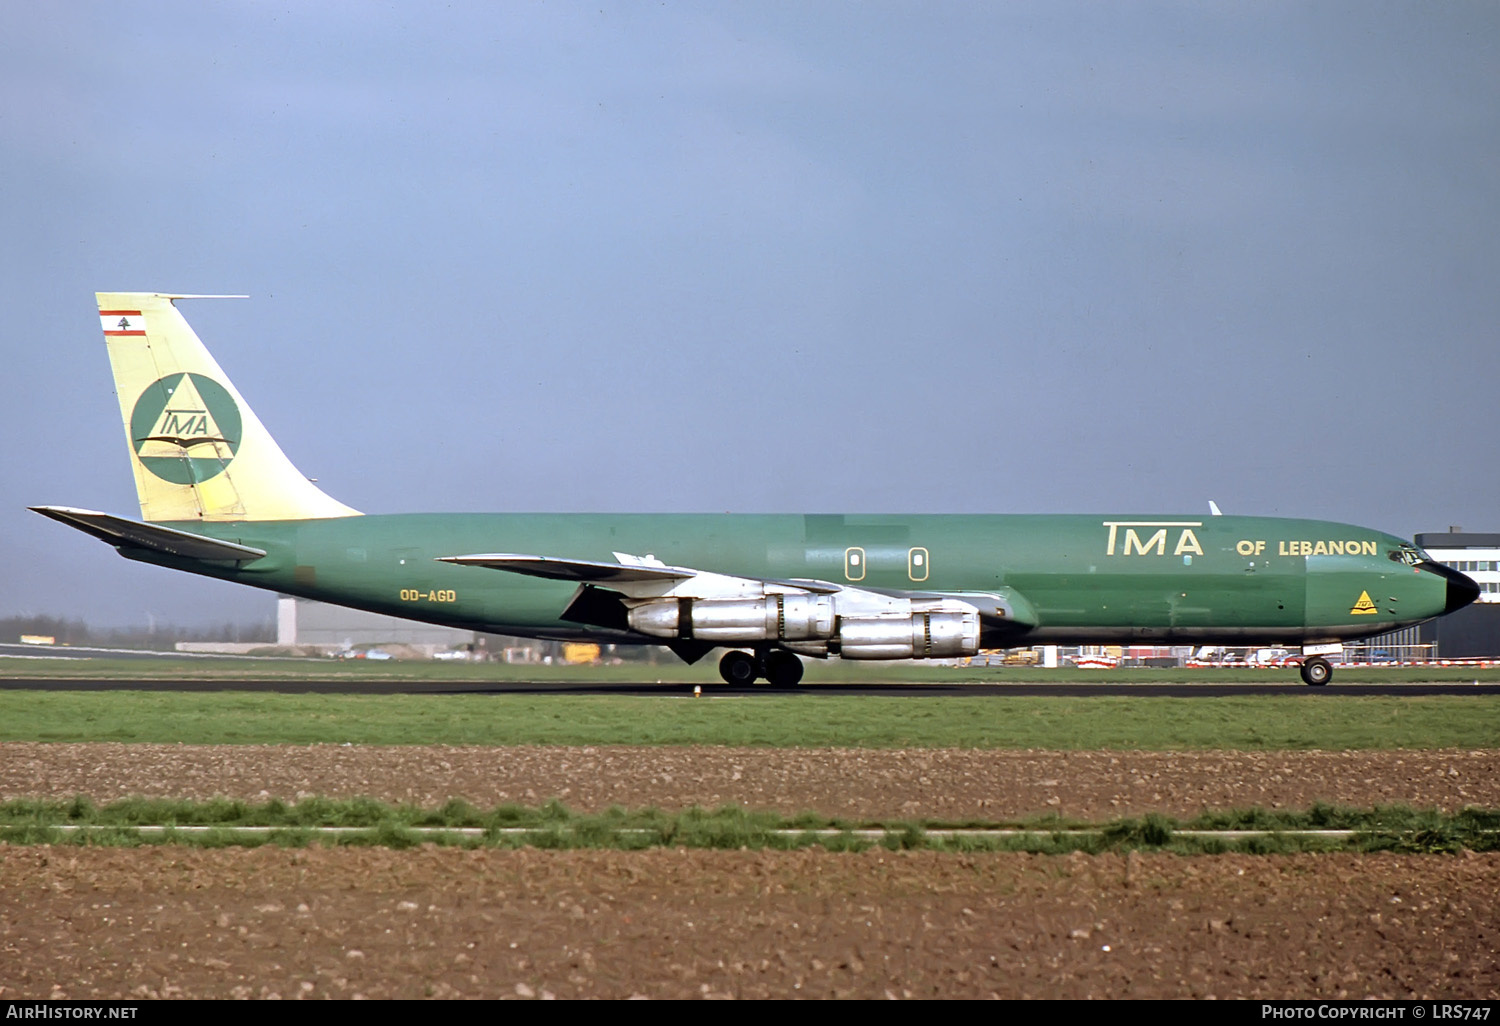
x,y
59,663
362,822
1266,722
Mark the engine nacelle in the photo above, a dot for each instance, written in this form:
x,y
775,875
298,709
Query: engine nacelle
x,y
737,621
920,636
808,624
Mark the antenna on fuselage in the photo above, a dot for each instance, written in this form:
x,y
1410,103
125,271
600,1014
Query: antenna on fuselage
x,y
1213,507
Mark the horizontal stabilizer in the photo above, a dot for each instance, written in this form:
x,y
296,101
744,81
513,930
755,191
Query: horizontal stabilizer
x,y
132,534
556,569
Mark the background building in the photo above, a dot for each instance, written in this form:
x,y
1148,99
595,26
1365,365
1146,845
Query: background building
x,y
305,624
1474,631
1477,555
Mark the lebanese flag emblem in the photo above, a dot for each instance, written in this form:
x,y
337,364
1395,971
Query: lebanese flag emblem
x,y
122,322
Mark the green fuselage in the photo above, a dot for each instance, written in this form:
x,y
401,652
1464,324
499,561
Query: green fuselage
x,y
1074,579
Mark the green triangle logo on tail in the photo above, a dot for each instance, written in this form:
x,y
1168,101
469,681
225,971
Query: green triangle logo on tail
x,y
185,428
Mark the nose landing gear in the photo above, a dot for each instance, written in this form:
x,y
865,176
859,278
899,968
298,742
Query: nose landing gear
x,y
1316,671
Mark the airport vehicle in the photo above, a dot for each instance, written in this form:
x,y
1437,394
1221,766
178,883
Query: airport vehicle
x,y
219,498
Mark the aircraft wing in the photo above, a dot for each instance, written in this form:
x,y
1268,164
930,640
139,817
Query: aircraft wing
x,y
638,582
132,534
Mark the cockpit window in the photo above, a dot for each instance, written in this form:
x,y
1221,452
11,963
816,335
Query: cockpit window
x,y
1410,555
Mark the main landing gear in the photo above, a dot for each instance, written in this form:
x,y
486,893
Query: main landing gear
x,y
780,669
1316,671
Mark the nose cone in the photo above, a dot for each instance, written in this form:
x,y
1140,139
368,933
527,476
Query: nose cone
x,y
1461,588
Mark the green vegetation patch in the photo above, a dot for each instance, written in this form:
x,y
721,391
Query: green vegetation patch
x,y
362,822
59,663
803,719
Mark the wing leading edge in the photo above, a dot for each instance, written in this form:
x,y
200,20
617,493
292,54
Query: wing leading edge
x,y
586,570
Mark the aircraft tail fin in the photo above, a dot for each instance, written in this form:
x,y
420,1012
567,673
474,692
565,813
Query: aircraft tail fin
x,y
198,451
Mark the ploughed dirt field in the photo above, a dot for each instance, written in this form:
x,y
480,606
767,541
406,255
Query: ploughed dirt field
x,y
325,922
853,782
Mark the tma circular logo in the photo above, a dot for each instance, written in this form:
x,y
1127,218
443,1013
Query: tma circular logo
x,y
185,428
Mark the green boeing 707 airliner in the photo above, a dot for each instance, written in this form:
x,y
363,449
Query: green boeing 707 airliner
x,y
219,498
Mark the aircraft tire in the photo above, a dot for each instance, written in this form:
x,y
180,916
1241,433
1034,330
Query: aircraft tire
x,y
1316,672
783,669
738,668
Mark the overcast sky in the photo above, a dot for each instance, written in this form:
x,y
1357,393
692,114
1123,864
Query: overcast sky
x,y
761,257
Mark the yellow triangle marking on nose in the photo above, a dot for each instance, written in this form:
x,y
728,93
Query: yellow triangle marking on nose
x,y
1364,605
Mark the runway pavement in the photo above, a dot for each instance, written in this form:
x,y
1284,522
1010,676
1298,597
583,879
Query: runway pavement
x,y
1100,689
